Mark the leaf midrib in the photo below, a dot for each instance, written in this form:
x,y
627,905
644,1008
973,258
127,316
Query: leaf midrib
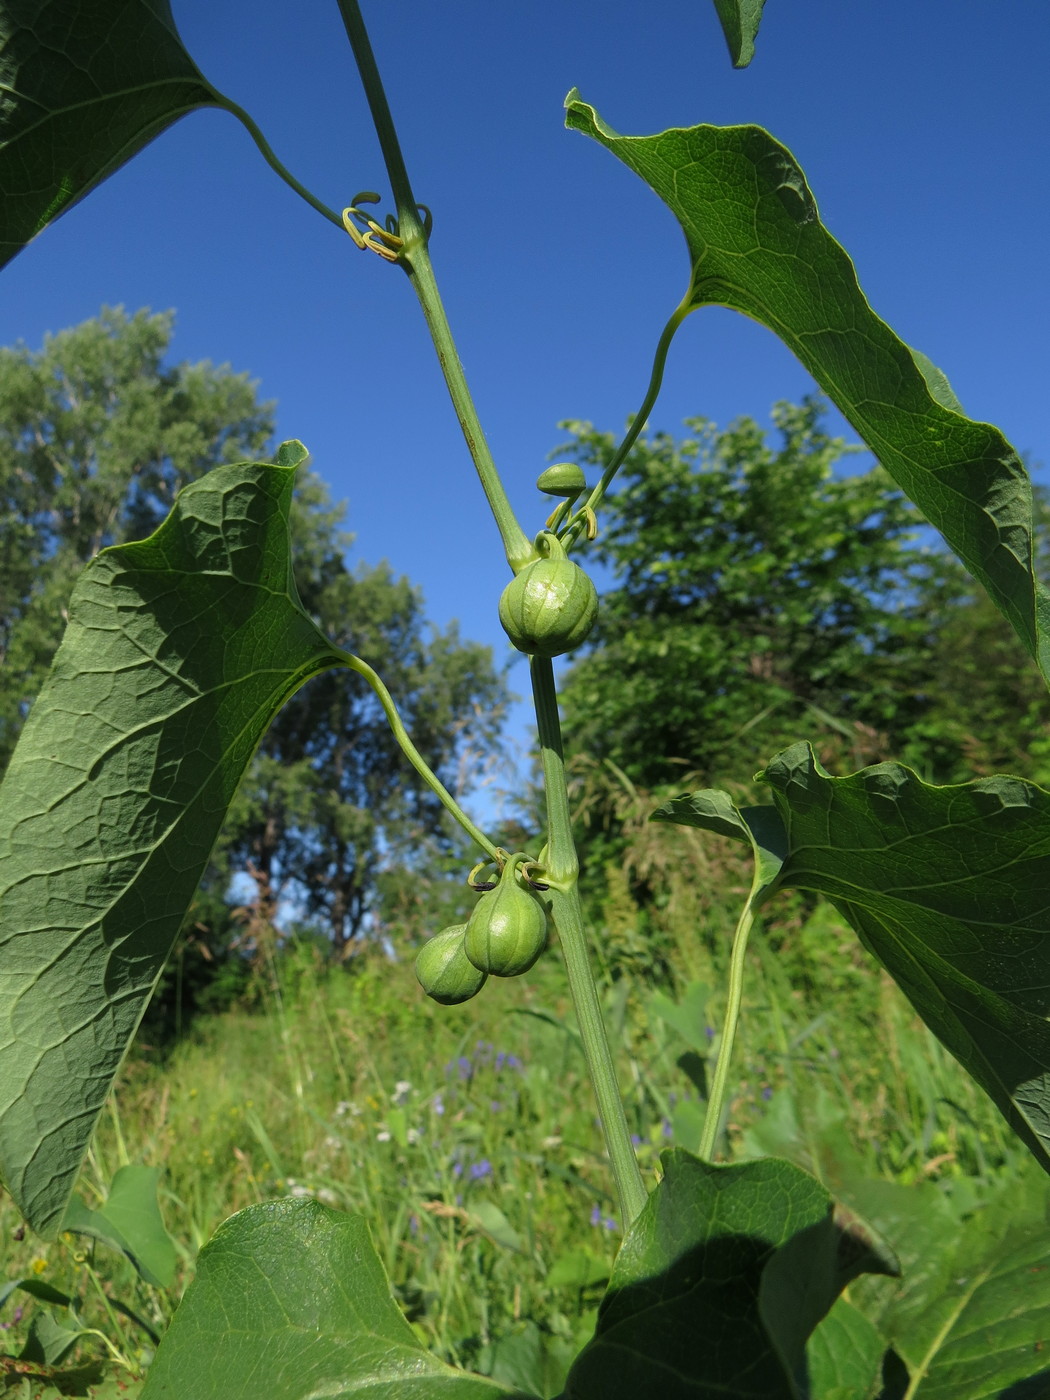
x,y
922,1369
51,113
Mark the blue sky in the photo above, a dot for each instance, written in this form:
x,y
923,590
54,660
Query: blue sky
x,y
923,130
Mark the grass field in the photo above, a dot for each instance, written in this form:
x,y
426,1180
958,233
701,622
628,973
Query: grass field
x,y
467,1136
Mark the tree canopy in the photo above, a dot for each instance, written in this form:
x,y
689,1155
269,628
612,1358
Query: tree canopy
x,y
760,594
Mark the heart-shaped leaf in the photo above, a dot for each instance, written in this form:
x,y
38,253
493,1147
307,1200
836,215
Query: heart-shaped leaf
x,y
718,1286
756,244
180,650
290,1301
946,886
86,84
130,1221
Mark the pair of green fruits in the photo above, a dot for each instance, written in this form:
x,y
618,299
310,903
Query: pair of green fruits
x,y
503,937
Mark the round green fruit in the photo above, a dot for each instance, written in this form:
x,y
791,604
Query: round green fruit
x,y
549,608
507,931
444,971
563,479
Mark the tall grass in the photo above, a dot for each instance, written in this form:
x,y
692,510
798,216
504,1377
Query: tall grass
x,y
467,1136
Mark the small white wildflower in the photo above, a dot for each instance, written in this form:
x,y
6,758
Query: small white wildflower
x,y
413,1135
382,1136
402,1089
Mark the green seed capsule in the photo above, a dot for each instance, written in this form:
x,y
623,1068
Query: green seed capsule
x,y
550,607
563,479
507,931
444,971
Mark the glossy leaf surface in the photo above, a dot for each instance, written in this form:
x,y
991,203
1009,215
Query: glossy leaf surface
x,y
740,20
179,651
86,84
290,1301
718,1286
756,244
946,886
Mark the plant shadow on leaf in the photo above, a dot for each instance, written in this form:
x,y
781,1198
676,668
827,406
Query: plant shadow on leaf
x,y
720,1283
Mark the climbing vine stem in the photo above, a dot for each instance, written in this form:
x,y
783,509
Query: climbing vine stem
x,y
414,257
561,869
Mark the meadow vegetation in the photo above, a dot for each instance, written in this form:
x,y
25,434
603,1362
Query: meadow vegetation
x,y
467,1136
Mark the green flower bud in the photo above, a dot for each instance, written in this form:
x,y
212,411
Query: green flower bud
x,y
550,606
507,931
444,971
563,479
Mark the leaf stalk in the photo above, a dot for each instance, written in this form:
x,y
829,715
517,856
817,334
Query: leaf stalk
x,y
418,762
583,517
716,1100
269,155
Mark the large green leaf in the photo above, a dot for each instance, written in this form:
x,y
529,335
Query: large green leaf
x,y
970,1319
947,887
718,1286
756,244
290,1302
844,1356
740,20
86,84
130,1221
179,651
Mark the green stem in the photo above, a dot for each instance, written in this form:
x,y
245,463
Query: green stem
x,y
415,258
413,755
716,1100
656,379
382,120
561,867
517,546
271,159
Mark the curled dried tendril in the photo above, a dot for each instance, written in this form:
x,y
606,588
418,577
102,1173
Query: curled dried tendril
x,y
385,238
525,867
